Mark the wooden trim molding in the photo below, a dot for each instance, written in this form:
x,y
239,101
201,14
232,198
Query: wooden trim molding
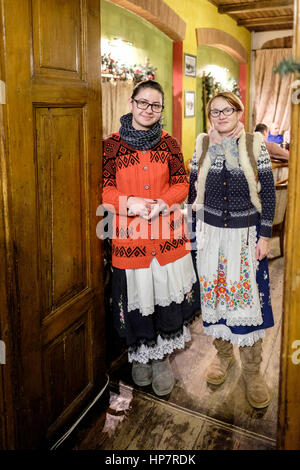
x,y
7,311
243,87
285,42
177,90
221,40
9,329
254,7
289,404
285,20
159,14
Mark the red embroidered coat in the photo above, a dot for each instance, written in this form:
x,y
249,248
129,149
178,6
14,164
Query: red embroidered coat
x,y
155,173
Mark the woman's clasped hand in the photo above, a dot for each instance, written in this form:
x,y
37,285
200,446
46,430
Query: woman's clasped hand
x,y
146,208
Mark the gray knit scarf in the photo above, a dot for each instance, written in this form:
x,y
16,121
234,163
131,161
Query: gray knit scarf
x,y
227,150
138,139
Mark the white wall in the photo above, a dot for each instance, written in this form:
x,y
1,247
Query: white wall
x,y
258,39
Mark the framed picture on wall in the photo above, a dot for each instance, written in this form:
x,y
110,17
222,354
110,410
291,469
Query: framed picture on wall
x,y
190,65
189,103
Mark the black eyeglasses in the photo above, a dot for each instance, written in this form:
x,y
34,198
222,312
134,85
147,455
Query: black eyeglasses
x,y
141,104
226,111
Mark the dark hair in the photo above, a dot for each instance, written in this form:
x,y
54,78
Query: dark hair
x,y
148,84
261,127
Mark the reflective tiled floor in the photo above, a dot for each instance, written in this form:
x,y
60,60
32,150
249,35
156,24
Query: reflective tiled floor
x,y
195,415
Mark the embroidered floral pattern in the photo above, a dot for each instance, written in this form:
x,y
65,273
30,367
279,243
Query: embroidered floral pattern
x,y
220,290
261,298
190,296
122,318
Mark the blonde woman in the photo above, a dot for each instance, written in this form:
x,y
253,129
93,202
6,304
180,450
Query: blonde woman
x,y
232,188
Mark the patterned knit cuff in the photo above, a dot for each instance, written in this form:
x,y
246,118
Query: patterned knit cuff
x,y
265,230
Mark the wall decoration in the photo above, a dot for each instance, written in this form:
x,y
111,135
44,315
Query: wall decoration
x,y
112,69
210,87
190,65
189,103
286,66
213,84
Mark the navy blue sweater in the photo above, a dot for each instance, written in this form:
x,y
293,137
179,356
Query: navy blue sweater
x,y
227,199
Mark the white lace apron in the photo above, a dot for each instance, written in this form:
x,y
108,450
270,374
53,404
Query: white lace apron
x,y
159,285
227,274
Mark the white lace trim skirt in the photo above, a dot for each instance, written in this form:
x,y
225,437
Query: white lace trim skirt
x,y
159,285
163,347
225,333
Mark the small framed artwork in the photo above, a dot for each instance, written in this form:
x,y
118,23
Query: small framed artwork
x,y
189,103
190,65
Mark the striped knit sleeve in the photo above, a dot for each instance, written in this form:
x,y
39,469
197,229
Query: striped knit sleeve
x,y
178,184
267,193
193,180
111,196
191,215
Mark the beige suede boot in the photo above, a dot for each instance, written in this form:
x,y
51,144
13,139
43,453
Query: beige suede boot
x,y
218,369
256,387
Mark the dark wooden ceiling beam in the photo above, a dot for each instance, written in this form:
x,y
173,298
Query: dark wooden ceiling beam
x,y
234,8
285,20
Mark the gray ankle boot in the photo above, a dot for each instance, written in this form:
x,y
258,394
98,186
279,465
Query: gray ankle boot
x,y
141,373
162,377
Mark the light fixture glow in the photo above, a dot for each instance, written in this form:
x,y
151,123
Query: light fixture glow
x,y
220,74
119,50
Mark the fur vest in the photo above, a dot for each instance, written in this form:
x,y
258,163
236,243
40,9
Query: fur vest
x,y
249,146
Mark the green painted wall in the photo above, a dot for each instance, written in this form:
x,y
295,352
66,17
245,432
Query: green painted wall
x,y
147,41
203,14
207,55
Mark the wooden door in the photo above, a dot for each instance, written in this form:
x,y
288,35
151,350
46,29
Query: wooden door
x,y
289,404
54,315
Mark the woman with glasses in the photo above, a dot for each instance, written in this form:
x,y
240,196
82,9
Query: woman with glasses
x,y
155,289
232,188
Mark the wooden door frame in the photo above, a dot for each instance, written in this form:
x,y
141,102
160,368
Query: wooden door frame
x,y
8,383
12,397
289,408
8,311
289,405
